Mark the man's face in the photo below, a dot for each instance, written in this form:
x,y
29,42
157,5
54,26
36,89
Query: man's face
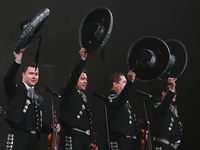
x,y
120,86
31,76
164,94
82,82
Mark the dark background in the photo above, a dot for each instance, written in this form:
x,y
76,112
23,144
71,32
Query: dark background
x,y
166,19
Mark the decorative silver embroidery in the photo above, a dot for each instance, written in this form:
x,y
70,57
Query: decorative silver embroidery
x,y
68,142
80,112
40,118
112,96
172,119
10,142
28,102
114,145
157,104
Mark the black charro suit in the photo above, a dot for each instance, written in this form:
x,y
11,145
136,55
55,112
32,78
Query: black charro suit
x,y
23,116
165,124
122,121
75,113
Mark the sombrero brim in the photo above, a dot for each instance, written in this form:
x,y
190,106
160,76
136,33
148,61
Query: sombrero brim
x,y
99,15
161,52
178,50
31,30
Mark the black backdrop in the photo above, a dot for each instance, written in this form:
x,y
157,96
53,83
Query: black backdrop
x,y
165,19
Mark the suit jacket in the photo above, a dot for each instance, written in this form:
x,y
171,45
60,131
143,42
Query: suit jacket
x,y
121,118
74,111
18,102
165,123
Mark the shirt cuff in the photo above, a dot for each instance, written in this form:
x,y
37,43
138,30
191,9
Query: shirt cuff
x,y
172,90
17,62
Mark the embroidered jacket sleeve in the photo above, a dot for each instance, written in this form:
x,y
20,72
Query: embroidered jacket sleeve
x,y
161,106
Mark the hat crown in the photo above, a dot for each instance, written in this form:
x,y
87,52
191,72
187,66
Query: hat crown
x,y
147,58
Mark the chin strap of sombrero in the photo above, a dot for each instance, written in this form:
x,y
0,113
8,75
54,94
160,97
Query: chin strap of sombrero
x,y
102,54
38,51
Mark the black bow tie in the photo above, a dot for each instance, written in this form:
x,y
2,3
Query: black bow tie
x,y
31,94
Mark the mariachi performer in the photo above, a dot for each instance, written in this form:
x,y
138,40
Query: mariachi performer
x,y
154,58
122,122
25,104
167,127
75,115
166,124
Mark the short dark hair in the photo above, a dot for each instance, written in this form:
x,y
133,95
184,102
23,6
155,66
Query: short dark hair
x,y
114,77
84,71
29,64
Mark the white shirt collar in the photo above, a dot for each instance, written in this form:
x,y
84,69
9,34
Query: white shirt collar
x,y
27,87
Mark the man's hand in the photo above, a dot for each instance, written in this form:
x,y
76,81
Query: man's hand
x,y
58,127
131,75
18,56
172,84
82,53
93,147
142,134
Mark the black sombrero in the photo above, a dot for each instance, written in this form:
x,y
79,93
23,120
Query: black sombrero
x,y
30,29
178,59
95,29
148,57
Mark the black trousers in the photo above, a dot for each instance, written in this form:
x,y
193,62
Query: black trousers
x,y
22,140
74,140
